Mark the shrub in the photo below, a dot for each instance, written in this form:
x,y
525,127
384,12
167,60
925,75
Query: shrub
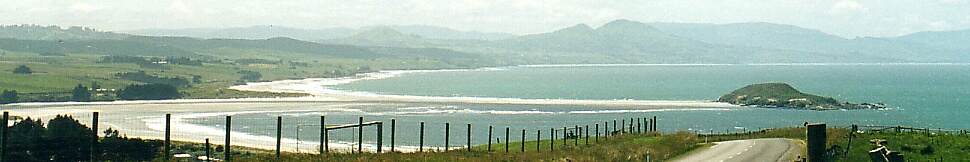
x,y
22,69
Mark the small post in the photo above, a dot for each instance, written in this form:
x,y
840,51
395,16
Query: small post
x,y
631,125
208,153
360,134
851,134
393,125
538,139
654,123
324,136
421,137
380,136
597,140
468,138
639,124
577,134
606,130
587,134
564,138
168,136
523,140
6,134
94,139
226,156
552,139
489,138
506,139
279,135
614,126
447,134
623,124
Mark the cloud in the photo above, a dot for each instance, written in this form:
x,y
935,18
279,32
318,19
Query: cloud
x,y
846,6
179,7
847,18
953,1
84,7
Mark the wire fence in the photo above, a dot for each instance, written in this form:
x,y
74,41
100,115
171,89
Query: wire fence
x,y
223,132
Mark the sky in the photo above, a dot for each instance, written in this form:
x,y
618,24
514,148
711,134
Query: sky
x,y
845,18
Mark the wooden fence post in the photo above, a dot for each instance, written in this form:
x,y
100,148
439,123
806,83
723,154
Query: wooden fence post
x,y
468,139
538,139
380,136
226,153
552,139
631,125
639,125
421,142
360,134
208,153
577,134
564,138
393,125
587,134
506,139
168,136
597,140
6,134
489,149
523,140
94,136
324,136
447,134
279,135
606,130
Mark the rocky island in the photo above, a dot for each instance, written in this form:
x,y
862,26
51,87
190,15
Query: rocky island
x,y
782,95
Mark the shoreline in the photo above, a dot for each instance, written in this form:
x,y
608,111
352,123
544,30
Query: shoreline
x,y
145,119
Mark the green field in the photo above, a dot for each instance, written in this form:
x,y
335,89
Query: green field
x,y
55,75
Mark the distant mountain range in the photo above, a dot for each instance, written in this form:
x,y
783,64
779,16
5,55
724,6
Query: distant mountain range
x,y
620,41
265,32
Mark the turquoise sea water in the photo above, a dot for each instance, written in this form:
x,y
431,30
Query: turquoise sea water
x,y
930,95
921,95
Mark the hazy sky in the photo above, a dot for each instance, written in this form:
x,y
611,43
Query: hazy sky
x,y
846,18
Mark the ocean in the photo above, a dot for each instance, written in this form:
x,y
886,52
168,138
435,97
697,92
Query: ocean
x,y
921,95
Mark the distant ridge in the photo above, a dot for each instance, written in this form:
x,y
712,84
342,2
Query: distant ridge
x,y
264,32
617,42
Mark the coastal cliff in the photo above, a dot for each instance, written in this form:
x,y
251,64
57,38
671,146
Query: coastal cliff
x,y
782,95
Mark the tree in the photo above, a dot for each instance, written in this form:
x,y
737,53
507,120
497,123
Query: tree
x,y
119,148
250,75
68,139
81,94
149,92
196,79
8,97
22,69
26,141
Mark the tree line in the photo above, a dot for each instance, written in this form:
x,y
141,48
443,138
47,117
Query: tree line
x,y
66,139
